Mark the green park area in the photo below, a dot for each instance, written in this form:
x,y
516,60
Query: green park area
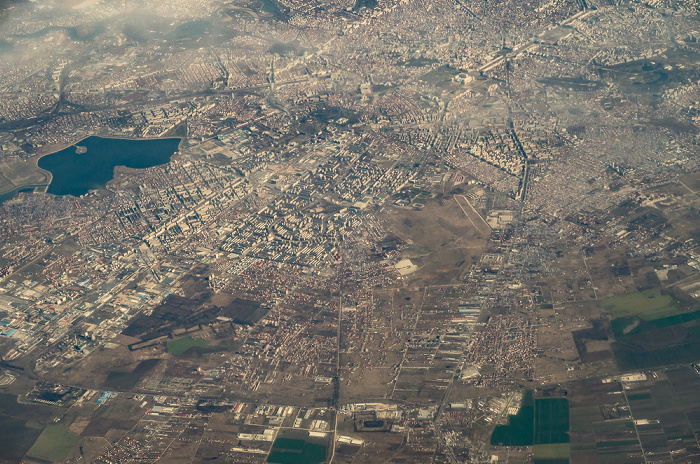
x,y
179,346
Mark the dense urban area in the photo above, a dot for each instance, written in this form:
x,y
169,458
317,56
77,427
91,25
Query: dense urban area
x,y
382,231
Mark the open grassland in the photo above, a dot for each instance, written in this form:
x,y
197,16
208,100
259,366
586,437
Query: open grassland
x,y
179,346
54,443
647,305
552,451
650,321
652,329
15,174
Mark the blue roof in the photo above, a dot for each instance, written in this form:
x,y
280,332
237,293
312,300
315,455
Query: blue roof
x,y
9,333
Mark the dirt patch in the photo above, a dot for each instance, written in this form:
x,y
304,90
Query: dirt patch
x,y
443,241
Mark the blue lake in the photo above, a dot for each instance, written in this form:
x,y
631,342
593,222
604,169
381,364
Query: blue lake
x,y
89,164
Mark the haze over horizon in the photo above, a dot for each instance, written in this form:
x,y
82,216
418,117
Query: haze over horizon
x,y
349,231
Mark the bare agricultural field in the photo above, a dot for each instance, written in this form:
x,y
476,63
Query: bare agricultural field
x,y
364,381
94,369
663,404
180,452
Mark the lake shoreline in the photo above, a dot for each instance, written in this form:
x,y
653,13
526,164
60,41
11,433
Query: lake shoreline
x,y
89,163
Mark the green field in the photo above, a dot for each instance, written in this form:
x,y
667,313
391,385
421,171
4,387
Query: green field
x,y
620,457
520,430
676,319
630,356
639,396
694,331
647,305
552,451
605,426
646,313
296,451
628,325
179,346
633,325
54,443
551,421
617,443
541,422
651,330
